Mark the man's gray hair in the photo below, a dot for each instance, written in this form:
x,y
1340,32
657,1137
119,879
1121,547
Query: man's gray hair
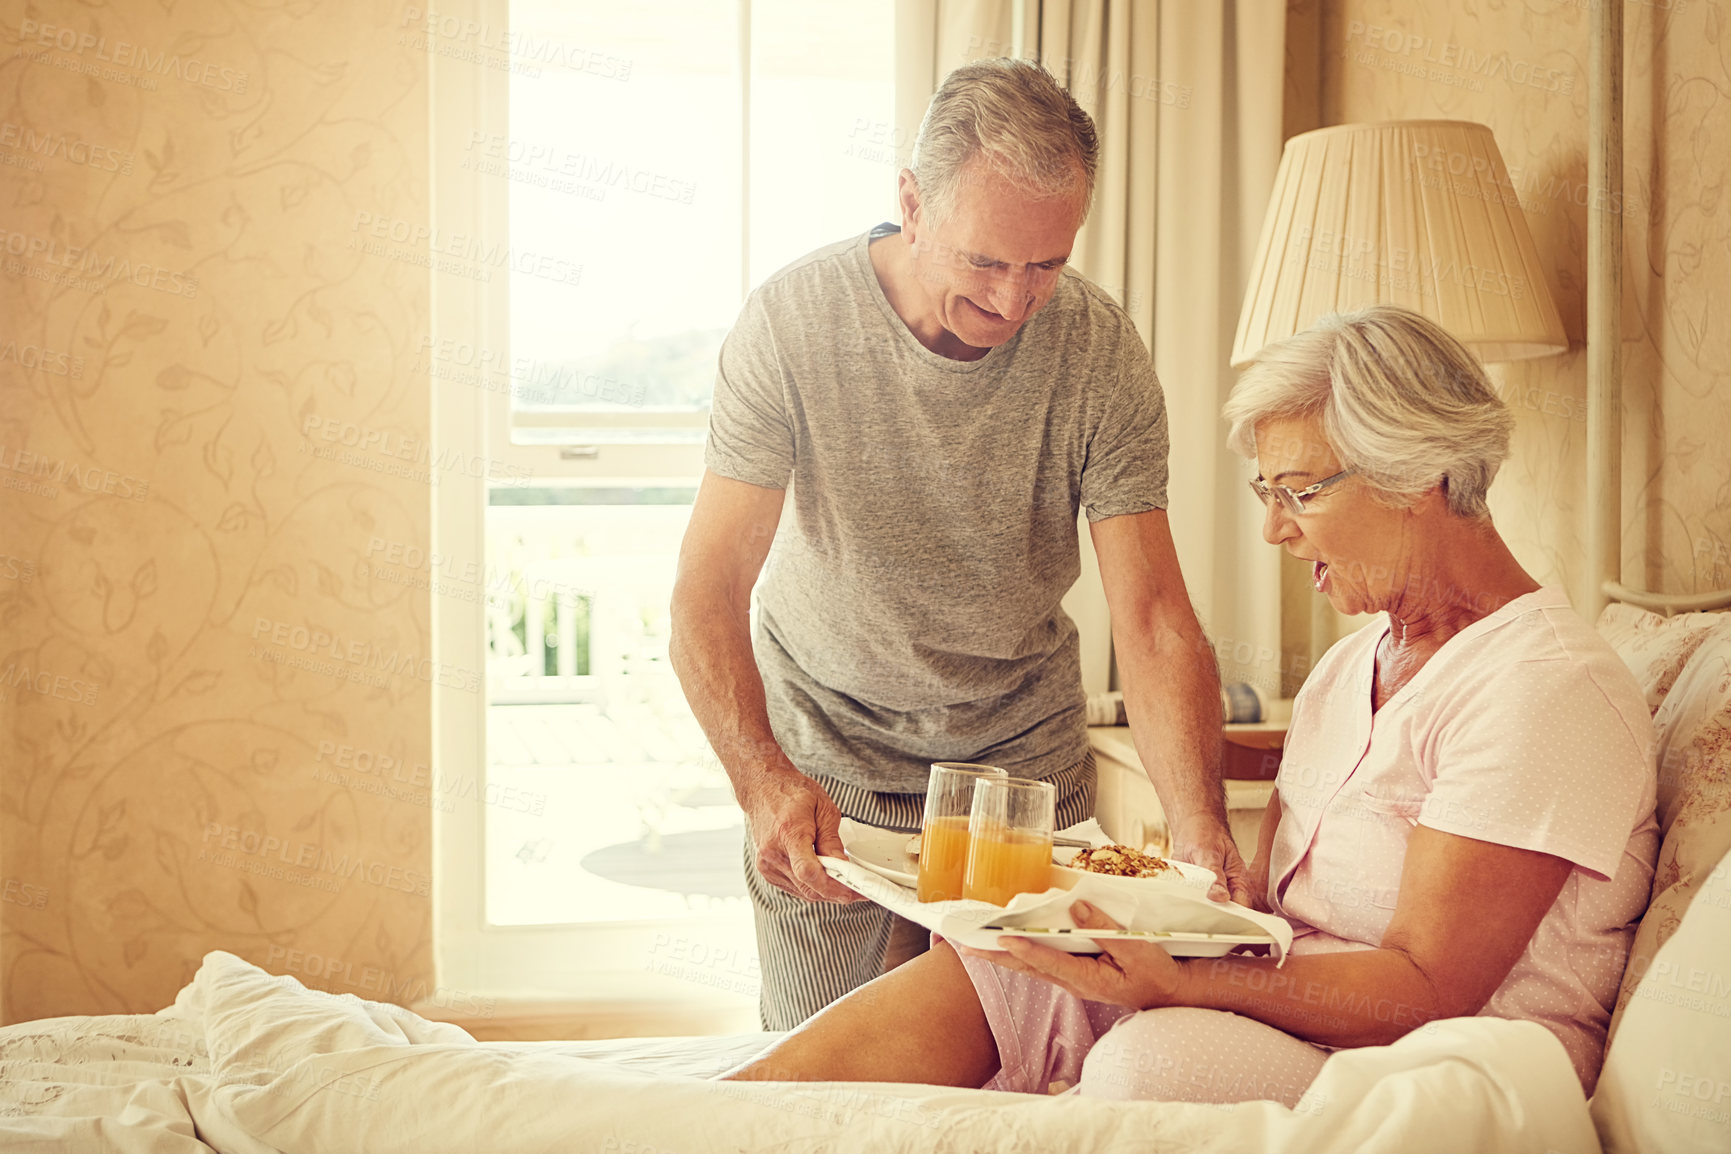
x,y
1401,401
1015,116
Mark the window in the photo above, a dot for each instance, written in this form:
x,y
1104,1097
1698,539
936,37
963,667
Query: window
x,y
646,166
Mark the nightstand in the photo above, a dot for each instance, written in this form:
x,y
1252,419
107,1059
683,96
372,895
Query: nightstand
x,y
1129,809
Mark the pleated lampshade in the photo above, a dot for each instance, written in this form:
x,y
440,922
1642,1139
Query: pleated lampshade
x,y
1417,213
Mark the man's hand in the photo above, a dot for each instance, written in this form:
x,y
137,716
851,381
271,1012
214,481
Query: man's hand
x,y
1207,842
1139,975
791,820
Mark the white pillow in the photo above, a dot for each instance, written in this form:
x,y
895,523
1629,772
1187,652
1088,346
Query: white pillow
x,y
1666,1084
1693,740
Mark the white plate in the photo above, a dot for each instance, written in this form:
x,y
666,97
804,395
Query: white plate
x,y
883,852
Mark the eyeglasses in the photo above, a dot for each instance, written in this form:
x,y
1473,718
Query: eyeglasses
x,y
1293,500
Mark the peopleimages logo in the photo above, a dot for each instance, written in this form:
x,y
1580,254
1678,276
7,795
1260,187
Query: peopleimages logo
x,y
1460,65
137,57
373,233
82,269
47,683
532,381
35,358
374,980
232,847
390,447
51,473
473,39
1400,268
22,893
59,146
538,162
342,656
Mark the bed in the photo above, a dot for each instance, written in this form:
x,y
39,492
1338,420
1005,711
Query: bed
x,y
247,1063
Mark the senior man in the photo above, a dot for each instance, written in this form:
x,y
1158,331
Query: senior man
x,y
940,399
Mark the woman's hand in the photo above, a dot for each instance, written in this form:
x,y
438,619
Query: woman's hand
x,y
1139,975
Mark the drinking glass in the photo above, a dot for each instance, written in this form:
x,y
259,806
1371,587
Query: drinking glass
x,y
944,832
1009,839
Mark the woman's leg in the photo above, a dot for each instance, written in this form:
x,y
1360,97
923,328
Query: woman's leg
x,y
921,1022
1042,1032
1183,1054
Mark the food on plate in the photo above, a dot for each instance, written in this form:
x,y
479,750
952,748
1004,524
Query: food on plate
x,y
1121,861
914,844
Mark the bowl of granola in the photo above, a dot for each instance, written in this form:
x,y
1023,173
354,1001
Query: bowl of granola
x,y
1124,865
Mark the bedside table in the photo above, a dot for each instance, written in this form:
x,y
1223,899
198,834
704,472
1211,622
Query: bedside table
x,y
1129,810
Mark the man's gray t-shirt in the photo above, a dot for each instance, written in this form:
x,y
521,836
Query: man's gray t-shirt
x,y
908,611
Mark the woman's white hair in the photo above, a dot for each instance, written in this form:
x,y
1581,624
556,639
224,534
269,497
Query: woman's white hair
x,y
1401,402
1019,120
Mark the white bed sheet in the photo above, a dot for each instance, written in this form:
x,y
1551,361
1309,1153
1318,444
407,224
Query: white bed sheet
x,y
247,1063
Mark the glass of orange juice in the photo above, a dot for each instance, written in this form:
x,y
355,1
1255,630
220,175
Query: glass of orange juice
x,y
944,833
1009,839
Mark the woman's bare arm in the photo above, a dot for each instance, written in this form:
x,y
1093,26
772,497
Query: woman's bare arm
x,y
1466,911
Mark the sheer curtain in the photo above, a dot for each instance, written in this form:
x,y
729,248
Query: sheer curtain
x,y
1187,97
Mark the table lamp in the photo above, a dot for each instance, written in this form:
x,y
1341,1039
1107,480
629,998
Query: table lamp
x,y
1417,213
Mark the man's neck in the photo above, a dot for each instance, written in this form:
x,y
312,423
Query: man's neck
x,y
893,265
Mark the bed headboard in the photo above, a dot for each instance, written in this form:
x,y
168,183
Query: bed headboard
x,y
1664,602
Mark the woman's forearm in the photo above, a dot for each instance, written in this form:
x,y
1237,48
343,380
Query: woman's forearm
x,y
1355,998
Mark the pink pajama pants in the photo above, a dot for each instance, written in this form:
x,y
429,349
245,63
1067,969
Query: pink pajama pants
x,y
1050,1041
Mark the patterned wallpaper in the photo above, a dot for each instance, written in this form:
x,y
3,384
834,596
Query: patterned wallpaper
x,y
214,724
1521,67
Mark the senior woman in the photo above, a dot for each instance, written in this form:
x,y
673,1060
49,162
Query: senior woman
x,y
1463,819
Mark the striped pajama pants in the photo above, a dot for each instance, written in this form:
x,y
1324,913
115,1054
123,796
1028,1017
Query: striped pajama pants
x,y
812,953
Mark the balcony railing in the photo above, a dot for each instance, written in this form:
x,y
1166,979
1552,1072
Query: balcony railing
x,y
579,629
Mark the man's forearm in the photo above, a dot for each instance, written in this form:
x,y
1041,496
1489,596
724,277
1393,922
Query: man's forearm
x,y
710,651
1172,698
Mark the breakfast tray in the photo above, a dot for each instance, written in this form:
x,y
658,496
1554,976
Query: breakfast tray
x,y
1176,915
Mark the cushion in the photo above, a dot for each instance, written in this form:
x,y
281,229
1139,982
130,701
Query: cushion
x,y
1693,731
1654,648
1666,1084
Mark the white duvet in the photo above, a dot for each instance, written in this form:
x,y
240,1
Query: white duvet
x,y
247,1063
